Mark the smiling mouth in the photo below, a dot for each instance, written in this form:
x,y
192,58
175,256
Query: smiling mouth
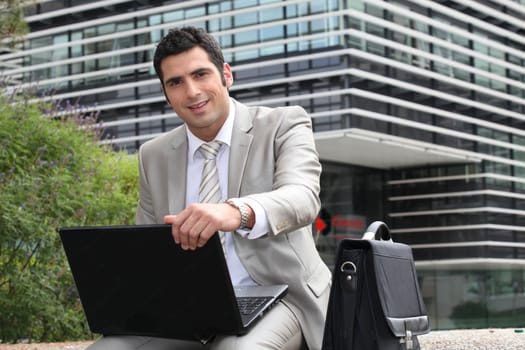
x,y
197,106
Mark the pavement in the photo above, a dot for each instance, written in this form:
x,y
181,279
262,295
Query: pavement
x,y
474,339
465,339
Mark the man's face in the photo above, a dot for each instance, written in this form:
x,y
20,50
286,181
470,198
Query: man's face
x,y
194,88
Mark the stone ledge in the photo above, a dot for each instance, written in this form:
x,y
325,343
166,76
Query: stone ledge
x,y
47,346
474,339
464,339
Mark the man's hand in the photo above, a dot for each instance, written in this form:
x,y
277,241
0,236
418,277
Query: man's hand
x,y
194,226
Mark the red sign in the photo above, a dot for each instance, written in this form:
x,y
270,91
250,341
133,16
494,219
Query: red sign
x,y
342,222
320,225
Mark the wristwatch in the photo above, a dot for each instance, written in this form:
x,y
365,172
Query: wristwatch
x,y
243,209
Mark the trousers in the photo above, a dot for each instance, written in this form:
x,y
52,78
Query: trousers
x,y
278,330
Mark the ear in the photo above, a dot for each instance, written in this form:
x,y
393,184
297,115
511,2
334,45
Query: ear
x,y
228,75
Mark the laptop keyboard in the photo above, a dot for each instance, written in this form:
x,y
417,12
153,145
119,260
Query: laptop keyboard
x,y
247,305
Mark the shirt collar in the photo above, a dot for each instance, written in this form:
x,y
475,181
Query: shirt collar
x,y
224,135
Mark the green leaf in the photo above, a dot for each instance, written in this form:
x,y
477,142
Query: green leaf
x,y
52,173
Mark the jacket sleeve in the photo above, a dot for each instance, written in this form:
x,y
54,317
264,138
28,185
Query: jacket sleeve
x,y
144,214
293,200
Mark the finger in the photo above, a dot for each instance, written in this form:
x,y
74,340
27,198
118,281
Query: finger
x,y
193,239
198,233
206,234
178,231
189,231
175,234
201,241
170,219
183,239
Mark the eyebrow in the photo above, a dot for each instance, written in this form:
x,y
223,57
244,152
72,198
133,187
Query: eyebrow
x,y
196,71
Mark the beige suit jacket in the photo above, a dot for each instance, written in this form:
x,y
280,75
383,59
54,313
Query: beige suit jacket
x,y
273,161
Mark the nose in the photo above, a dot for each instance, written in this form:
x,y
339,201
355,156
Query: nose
x,y
192,89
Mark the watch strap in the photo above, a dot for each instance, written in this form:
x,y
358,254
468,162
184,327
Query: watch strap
x,y
243,210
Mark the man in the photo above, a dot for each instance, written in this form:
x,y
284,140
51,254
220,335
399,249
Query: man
x,y
268,172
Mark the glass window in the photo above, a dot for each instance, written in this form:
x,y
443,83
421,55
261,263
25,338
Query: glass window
x,y
349,197
514,74
76,51
213,8
269,15
272,50
246,37
245,19
239,4
39,58
195,12
272,33
226,21
173,16
318,26
322,6
214,25
246,55
303,10
119,60
60,54
155,35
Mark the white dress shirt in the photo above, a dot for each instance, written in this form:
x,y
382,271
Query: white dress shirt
x,y
238,273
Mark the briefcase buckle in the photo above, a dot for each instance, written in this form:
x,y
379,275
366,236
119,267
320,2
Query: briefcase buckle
x,y
349,271
407,339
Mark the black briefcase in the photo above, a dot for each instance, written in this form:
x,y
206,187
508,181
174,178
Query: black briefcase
x,y
375,301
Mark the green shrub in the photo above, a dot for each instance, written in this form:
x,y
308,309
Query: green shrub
x,y
53,173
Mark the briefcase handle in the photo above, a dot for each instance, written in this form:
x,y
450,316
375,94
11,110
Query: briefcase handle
x,y
378,231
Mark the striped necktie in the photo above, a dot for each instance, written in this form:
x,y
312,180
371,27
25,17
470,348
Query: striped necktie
x,y
210,189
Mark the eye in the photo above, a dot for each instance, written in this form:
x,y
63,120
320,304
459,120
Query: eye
x,y
173,82
201,74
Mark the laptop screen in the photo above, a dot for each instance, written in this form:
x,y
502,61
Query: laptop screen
x,y
137,280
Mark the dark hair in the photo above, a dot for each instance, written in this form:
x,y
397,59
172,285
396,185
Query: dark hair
x,y
182,39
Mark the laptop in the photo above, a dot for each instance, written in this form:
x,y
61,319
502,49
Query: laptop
x,y
135,280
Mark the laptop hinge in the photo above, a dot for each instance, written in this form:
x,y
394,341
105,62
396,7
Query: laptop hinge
x,y
205,339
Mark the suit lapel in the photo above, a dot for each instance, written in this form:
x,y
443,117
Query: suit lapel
x,y
240,146
177,164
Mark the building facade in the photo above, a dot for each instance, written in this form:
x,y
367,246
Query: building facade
x,y
417,108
